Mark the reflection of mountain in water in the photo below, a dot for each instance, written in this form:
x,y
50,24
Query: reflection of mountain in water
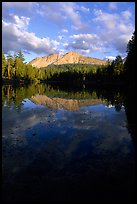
x,y
68,104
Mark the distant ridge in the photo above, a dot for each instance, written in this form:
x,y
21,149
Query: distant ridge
x,y
68,104
67,58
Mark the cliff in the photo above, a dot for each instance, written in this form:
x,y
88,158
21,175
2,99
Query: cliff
x,y
68,58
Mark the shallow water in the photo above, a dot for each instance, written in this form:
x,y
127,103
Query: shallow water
x,y
57,148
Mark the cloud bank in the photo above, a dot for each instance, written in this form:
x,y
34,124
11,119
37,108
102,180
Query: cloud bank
x,y
72,26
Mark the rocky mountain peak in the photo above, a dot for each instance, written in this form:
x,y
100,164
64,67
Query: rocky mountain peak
x,y
68,58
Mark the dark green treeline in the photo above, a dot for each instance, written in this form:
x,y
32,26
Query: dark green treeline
x,y
14,68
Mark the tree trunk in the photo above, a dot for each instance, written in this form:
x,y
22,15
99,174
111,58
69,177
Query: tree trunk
x,y
8,70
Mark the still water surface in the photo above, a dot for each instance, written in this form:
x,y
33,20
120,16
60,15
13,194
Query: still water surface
x,y
60,145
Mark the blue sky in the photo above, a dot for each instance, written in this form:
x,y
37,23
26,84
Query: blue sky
x,y
96,29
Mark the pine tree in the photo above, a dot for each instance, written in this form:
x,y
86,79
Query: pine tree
x,y
10,65
130,64
4,63
21,56
118,65
18,67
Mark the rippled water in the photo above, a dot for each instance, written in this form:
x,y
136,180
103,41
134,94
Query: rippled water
x,y
66,149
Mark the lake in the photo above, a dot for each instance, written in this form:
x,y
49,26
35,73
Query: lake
x,y
67,144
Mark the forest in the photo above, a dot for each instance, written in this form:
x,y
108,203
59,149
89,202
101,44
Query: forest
x,y
16,71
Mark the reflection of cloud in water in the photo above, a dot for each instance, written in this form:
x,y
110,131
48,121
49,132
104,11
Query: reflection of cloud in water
x,y
82,120
60,136
29,104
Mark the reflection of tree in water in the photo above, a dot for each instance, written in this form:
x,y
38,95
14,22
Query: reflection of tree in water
x,y
118,107
18,94
115,96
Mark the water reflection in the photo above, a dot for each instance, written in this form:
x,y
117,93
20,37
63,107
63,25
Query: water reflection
x,y
66,146
57,97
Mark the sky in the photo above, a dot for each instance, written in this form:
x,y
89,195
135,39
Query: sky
x,y
96,29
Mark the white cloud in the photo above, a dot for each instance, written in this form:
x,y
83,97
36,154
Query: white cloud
x,y
84,36
115,30
18,13
84,43
109,20
21,22
73,15
113,5
60,12
120,43
122,27
52,10
126,14
111,58
85,51
14,38
20,5
64,30
84,9
65,44
15,35
62,51
60,37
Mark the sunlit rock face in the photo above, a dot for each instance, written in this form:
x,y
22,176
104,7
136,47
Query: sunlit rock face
x,y
68,58
68,104
45,61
